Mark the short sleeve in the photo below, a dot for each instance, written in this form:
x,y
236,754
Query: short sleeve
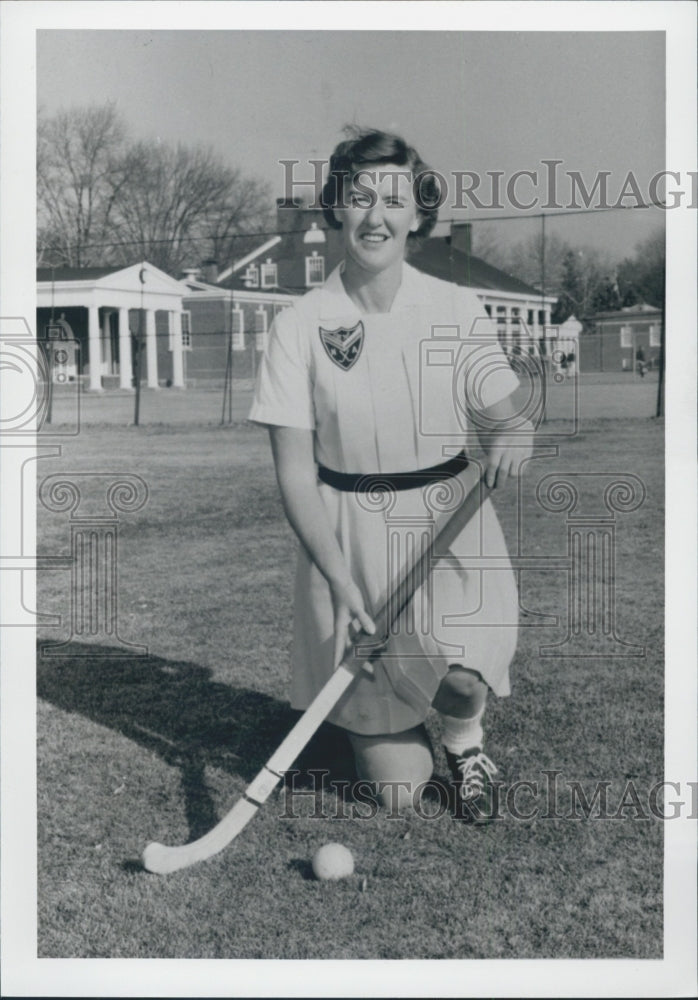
x,y
488,375
283,390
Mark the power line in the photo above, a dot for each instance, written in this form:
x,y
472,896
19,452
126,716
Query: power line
x,y
564,211
557,213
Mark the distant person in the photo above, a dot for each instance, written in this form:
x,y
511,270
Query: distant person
x,y
339,388
640,361
571,360
66,328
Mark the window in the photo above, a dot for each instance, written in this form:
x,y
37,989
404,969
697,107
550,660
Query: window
x,y
501,317
260,327
185,317
655,335
314,269
238,329
186,330
626,336
314,235
252,276
269,278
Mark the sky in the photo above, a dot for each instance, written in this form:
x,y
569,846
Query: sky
x,y
479,101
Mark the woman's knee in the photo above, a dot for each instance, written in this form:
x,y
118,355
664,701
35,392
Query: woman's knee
x,y
460,686
395,764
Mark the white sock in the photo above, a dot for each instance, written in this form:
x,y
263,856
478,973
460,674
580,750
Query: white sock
x,y
459,735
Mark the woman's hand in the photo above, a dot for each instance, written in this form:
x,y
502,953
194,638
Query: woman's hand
x,y
350,616
511,444
507,453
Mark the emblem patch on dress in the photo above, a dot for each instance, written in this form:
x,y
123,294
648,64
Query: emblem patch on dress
x,y
343,346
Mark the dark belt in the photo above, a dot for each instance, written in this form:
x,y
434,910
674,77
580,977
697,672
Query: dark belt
x,y
368,482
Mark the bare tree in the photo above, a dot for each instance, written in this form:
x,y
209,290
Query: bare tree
x,y
81,173
641,278
486,244
525,258
246,210
103,200
183,205
538,264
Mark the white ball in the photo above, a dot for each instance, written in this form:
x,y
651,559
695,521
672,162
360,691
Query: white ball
x,y
332,861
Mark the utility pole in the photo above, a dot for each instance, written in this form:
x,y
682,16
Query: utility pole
x,y
543,355
139,352
228,382
662,335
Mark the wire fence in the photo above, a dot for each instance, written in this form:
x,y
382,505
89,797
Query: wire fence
x,y
222,392
223,357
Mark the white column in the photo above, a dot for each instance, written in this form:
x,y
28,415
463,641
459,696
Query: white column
x,y
238,322
151,349
175,320
550,344
106,340
508,330
94,349
260,328
529,326
125,363
516,327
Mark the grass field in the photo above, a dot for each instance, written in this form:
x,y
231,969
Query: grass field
x,y
133,749
610,395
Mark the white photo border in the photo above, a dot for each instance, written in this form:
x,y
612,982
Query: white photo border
x,y
22,973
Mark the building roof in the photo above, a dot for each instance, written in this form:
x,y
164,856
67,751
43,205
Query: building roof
x,y
628,312
75,273
434,256
289,250
133,286
438,257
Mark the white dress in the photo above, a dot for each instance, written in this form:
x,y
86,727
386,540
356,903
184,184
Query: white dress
x,y
386,393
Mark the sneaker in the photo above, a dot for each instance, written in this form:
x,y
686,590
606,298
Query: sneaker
x,y
473,773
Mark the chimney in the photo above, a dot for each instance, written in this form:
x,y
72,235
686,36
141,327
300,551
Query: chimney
x,y
209,271
461,236
287,215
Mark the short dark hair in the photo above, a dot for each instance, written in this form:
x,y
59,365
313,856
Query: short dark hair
x,y
368,146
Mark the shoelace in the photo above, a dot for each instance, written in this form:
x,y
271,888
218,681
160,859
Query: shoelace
x,y
476,771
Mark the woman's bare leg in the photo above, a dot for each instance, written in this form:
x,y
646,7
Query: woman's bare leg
x,y
398,763
461,693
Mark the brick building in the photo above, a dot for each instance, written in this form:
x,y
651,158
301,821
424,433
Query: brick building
x,y
243,298
612,342
186,325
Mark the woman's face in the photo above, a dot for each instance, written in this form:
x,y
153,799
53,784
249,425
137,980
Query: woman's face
x,y
378,214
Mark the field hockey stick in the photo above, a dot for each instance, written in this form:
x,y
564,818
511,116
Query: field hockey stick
x,y
161,860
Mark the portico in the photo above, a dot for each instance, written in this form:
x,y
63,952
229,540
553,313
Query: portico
x,y
113,312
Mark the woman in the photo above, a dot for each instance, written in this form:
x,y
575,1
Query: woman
x,y
352,385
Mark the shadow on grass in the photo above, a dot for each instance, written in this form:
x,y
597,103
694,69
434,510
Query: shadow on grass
x,y
174,709
303,868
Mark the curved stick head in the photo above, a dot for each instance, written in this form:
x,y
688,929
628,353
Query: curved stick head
x,y
162,860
